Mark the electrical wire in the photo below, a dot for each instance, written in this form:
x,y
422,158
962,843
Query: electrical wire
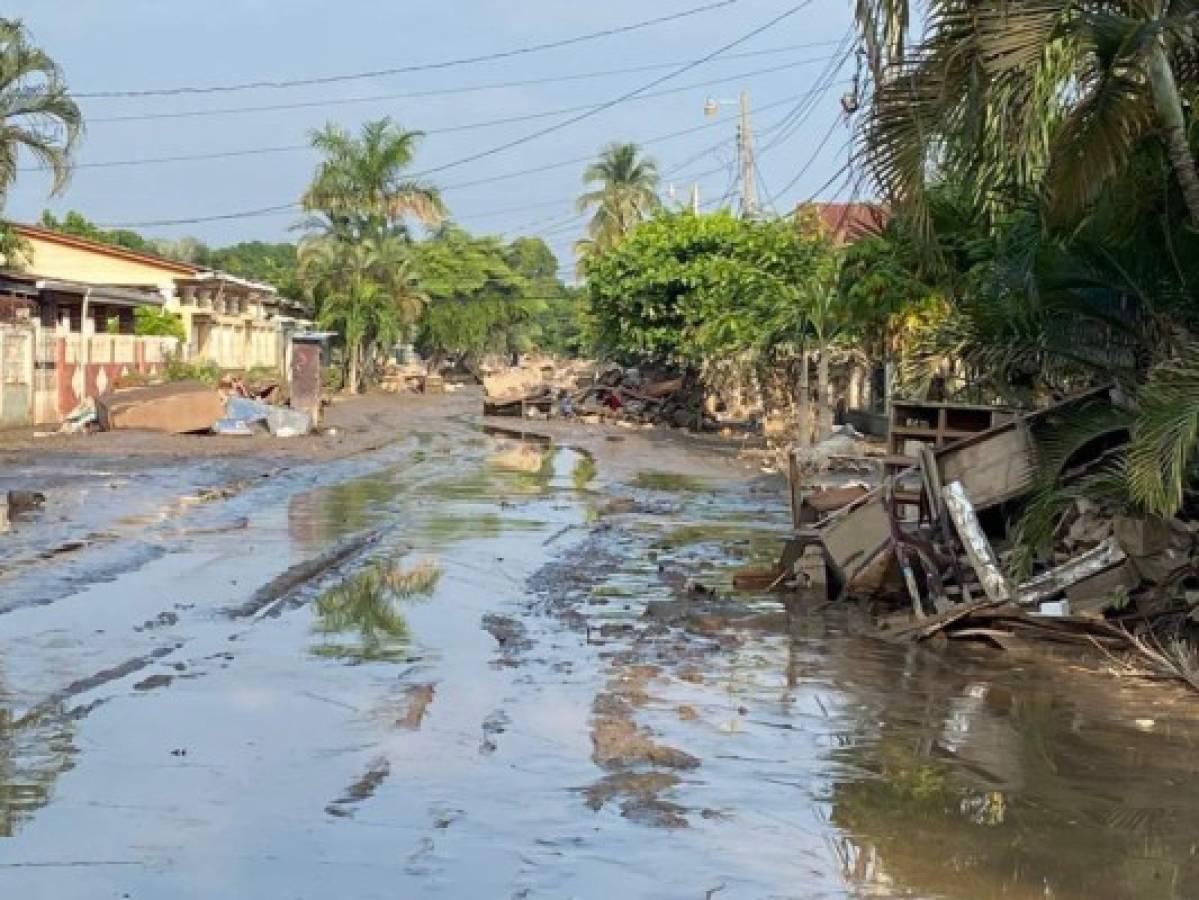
x,y
528,138
452,129
434,92
400,70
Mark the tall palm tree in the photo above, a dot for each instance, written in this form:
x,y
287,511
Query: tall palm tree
x,y
362,184
365,289
36,112
627,193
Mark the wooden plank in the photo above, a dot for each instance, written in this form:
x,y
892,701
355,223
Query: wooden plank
x,y
978,548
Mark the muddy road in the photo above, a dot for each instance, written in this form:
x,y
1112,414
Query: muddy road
x,y
455,663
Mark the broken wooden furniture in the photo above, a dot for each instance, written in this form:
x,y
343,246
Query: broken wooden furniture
x,y
938,424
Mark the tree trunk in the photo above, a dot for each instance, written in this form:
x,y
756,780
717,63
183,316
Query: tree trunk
x,y
824,394
351,386
805,401
1168,106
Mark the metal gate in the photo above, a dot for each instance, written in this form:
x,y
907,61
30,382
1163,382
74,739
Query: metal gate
x,y
16,376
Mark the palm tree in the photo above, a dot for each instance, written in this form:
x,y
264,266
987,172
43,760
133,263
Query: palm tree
x,y
36,112
1045,94
627,193
365,289
362,185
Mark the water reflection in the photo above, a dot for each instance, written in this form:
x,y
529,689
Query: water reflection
x,y
34,751
955,786
359,618
317,518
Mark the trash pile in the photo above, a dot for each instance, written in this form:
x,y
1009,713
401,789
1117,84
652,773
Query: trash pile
x,y
627,396
930,548
190,407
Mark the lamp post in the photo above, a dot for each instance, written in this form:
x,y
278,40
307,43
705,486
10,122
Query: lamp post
x,y
745,151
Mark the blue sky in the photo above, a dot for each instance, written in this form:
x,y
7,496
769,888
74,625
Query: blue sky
x,y
139,44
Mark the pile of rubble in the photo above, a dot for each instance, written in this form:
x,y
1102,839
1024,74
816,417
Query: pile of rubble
x,y
929,547
614,393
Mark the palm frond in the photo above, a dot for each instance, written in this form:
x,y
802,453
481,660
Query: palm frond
x,y
1165,434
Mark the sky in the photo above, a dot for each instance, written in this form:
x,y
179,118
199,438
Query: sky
x,y
795,72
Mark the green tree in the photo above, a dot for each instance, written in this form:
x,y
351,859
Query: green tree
x,y
76,224
479,303
37,112
625,192
276,264
362,185
685,289
365,290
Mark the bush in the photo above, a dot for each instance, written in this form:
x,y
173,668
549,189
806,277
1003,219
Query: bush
x,y
179,370
151,322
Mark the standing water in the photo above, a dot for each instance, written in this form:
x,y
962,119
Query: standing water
x,y
469,666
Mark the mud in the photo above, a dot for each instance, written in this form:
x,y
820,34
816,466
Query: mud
x,y
559,694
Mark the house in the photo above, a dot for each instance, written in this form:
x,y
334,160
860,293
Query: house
x,y
846,223
235,323
61,341
67,322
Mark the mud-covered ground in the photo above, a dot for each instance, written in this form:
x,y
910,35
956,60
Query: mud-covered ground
x,y
439,660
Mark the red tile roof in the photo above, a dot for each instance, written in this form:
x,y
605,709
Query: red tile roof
x,y
849,222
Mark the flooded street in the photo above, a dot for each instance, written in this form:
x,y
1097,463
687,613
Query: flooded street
x,y
467,665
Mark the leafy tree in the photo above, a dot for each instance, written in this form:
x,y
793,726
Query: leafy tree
x,y
37,112
1052,96
479,303
78,225
274,264
625,193
365,290
684,289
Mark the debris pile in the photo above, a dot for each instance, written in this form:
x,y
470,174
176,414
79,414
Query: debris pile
x,y
191,407
623,395
931,549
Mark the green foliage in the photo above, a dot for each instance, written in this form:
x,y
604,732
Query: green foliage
x,y
78,225
152,322
274,264
1165,434
478,303
625,193
14,249
177,369
40,120
361,187
683,287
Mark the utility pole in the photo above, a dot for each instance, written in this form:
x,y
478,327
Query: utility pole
x,y
695,198
745,150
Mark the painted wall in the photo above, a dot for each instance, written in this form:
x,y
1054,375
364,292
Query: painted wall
x,y
48,259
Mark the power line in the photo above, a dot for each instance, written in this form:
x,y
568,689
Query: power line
x,y
423,67
434,92
507,176
452,129
474,157
628,95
